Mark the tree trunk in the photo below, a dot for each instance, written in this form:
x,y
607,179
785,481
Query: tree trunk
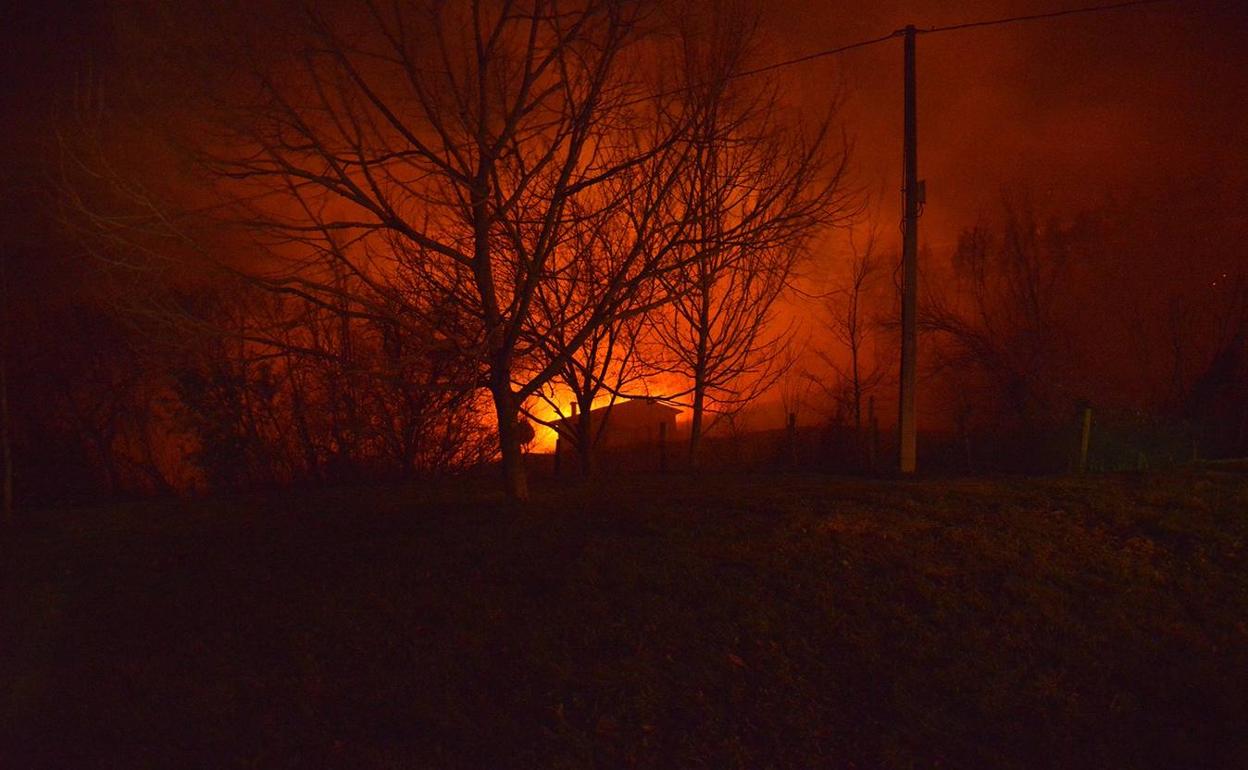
x,y
585,440
695,424
299,412
857,383
5,439
514,479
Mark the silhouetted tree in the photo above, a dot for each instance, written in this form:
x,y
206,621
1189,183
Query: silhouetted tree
x,y
848,320
607,363
1002,325
6,430
1216,398
441,155
758,189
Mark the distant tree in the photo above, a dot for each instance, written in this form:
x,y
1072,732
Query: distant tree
x,y
106,392
6,429
795,389
335,397
847,319
1215,398
758,190
1002,324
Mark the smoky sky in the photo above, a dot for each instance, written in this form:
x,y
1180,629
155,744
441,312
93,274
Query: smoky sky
x,y
1072,108
1075,110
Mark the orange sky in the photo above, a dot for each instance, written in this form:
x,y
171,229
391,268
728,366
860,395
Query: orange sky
x,y
1076,110
1074,107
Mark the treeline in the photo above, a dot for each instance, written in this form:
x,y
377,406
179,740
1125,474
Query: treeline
x,y
113,405
517,201
1027,321
388,240
1126,309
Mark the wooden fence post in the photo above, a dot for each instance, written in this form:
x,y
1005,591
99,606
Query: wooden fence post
x,y
873,435
1084,438
793,439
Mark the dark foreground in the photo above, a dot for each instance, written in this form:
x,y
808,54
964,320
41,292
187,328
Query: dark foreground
x,y
661,622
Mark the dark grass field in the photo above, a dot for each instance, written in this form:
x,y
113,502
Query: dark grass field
x,y
754,621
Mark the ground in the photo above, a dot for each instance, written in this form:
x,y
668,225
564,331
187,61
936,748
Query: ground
x,y
719,622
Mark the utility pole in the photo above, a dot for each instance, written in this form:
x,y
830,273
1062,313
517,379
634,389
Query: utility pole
x,y
6,438
910,268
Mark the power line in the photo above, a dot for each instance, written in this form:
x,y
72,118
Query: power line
x,y
931,30
818,55
907,424
767,67
1039,16
854,46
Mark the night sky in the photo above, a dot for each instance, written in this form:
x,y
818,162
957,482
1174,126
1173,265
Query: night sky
x,y
1141,104
1075,108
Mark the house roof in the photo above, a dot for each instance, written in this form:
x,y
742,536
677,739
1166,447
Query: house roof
x,y
627,406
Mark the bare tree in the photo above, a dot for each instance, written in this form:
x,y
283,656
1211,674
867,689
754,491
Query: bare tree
x,y
1002,328
6,438
442,156
758,190
850,325
607,365
1216,400
795,388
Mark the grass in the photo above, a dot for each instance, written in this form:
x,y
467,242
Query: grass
x,y
748,621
